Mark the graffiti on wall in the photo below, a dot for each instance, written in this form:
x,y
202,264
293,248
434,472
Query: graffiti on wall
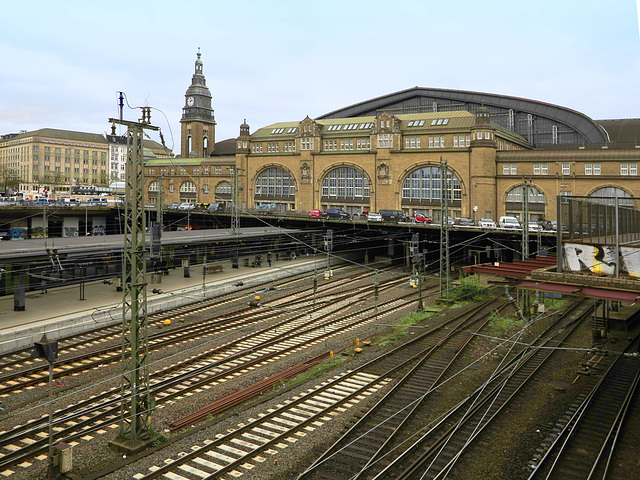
x,y
69,232
601,259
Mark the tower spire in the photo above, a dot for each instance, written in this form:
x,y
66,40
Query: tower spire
x,y
198,122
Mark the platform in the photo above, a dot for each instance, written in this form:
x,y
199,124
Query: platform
x,y
60,312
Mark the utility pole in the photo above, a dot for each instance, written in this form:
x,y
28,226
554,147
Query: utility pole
x,y
328,246
136,401
526,301
235,220
525,220
159,210
444,230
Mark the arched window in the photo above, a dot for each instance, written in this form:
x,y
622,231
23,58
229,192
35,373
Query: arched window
x,y
223,190
205,144
345,183
188,187
275,182
423,186
536,204
153,186
515,195
607,196
189,145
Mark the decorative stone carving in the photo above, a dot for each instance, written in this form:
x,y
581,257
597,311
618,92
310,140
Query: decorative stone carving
x,y
305,173
383,173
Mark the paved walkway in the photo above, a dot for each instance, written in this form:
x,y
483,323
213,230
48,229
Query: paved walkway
x,y
59,310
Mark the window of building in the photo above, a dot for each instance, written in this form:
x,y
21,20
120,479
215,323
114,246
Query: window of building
x,y
345,183
592,169
306,143
516,194
188,187
566,169
171,187
346,144
385,141
607,196
509,168
274,182
461,141
540,168
330,145
272,147
412,142
289,146
224,190
363,144
256,148
628,169
425,184
217,170
436,142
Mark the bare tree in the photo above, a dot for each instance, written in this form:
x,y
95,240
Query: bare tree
x,y
9,179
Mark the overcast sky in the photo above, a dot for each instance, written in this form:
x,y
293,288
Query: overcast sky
x,y
61,63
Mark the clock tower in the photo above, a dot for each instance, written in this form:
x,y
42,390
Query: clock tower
x,y
198,122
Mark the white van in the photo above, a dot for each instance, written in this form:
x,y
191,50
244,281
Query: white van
x,y
508,222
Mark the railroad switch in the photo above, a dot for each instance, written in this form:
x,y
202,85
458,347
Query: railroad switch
x,y
357,350
167,322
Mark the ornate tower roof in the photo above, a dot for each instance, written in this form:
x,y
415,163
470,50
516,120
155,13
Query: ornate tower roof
x,y
198,121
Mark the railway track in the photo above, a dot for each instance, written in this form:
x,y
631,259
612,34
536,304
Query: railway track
x,y
227,456
95,337
434,453
78,421
583,449
366,441
22,371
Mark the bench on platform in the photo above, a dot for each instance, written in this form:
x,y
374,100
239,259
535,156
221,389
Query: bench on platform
x,y
213,268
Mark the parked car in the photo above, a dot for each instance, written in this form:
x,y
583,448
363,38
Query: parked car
x,y
337,213
172,206
186,206
464,222
534,227
315,214
374,217
420,218
392,216
486,223
508,222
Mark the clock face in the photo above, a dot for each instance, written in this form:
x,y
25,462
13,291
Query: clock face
x,y
190,101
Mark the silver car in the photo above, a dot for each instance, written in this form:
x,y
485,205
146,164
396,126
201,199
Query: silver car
x,y
486,223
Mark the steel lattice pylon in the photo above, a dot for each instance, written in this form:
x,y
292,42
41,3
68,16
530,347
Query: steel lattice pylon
x,y
444,229
136,400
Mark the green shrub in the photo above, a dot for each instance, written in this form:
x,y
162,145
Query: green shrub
x,y
470,289
504,326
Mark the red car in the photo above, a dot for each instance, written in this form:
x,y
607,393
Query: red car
x,y
420,218
315,214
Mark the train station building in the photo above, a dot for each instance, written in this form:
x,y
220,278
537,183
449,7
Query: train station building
x,y
392,152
